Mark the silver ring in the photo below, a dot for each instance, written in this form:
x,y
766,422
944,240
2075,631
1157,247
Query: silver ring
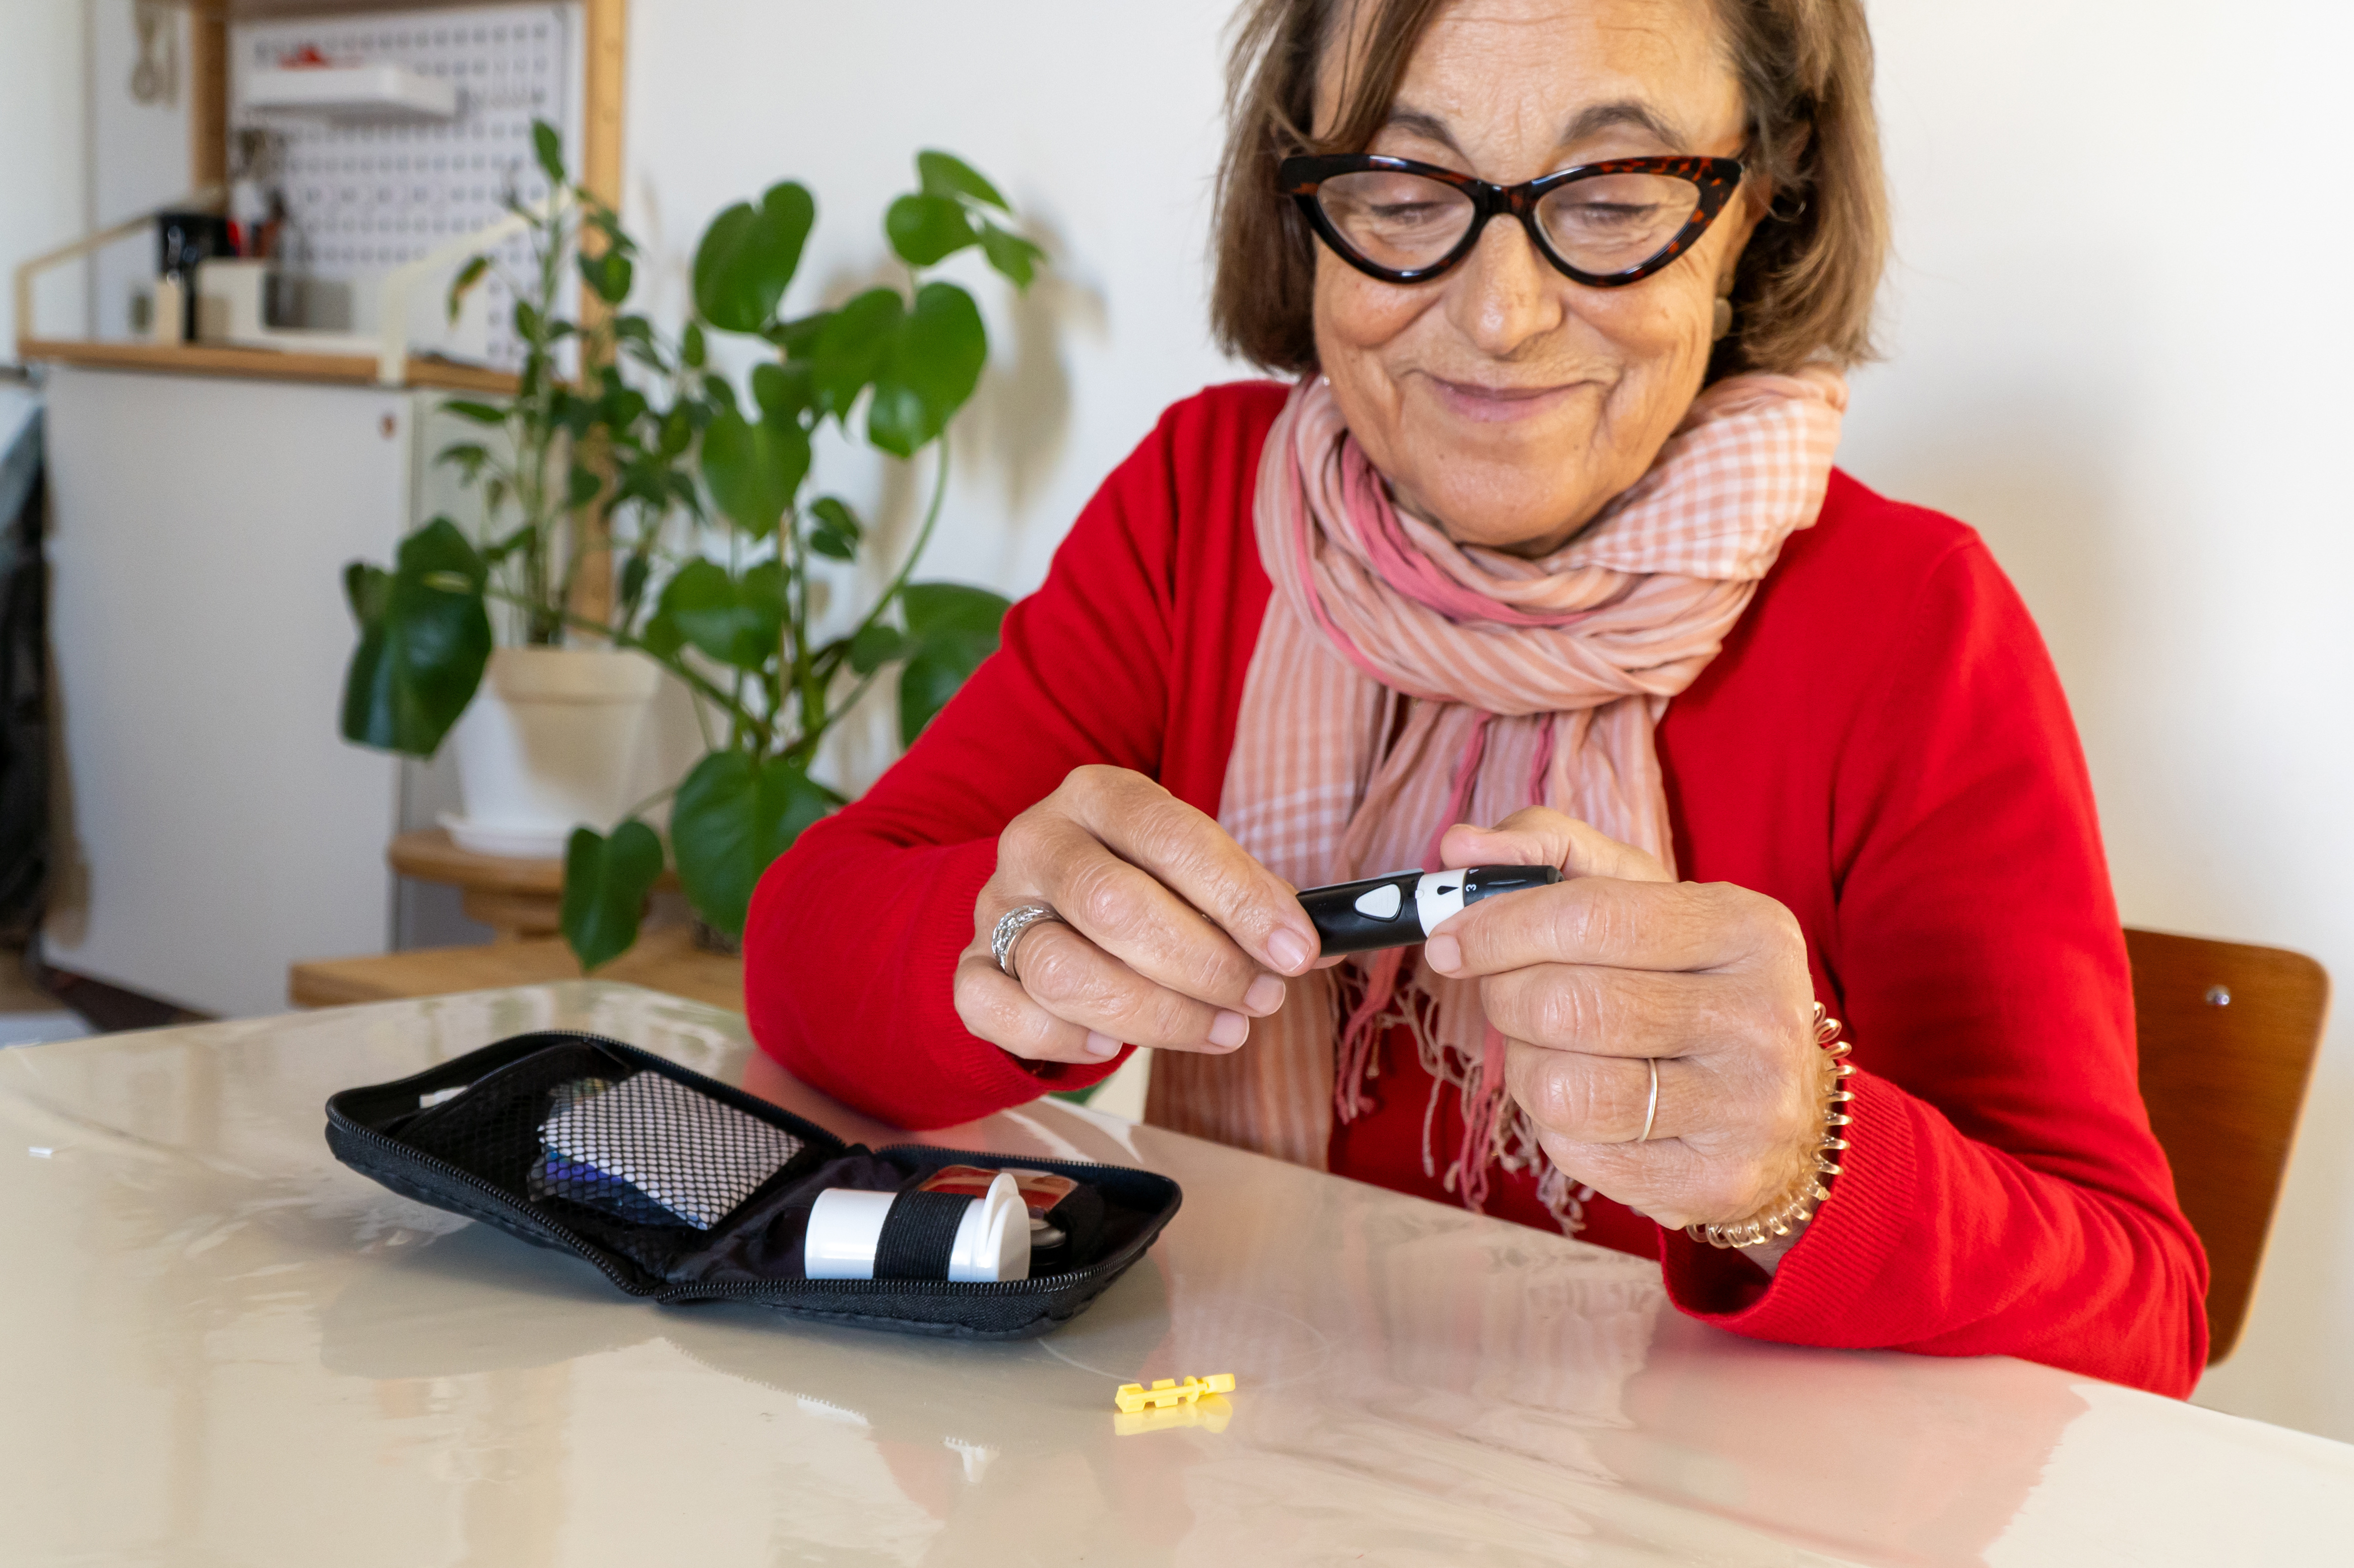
x,y
1009,931
1651,1111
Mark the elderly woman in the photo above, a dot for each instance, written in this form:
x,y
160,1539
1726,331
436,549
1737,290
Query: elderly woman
x,y
1539,558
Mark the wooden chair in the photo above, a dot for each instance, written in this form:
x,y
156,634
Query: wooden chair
x,y
2227,1037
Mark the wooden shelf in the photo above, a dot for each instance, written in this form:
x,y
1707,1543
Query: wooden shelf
x,y
666,961
515,897
211,359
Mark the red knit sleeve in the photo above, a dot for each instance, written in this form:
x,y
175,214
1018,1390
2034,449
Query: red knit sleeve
x,y
2003,1193
853,935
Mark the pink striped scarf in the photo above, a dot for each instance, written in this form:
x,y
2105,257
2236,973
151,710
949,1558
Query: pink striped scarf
x,y
1505,681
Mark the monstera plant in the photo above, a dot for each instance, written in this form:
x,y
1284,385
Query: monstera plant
x,y
694,487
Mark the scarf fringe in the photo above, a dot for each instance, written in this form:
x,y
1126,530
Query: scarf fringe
x,y
1495,1130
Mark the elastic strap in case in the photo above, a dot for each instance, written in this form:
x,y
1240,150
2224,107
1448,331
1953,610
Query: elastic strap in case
x,y
919,1236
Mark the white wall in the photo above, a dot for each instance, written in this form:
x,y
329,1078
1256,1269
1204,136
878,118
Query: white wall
x,y
1100,122
2119,305
40,147
2117,328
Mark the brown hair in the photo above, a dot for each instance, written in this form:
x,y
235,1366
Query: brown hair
x,y
1804,287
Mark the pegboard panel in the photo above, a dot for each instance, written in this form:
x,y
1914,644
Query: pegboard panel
x,y
364,196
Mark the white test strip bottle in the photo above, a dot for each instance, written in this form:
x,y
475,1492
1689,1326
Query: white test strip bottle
x,y
992,1239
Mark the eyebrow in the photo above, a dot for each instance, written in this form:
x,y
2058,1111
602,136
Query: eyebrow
x,y
1589,122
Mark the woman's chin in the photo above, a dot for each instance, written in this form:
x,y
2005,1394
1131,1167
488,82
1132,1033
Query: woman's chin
x,y
1500,511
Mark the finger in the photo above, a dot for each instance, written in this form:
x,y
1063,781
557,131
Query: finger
x,y
1669,1180
1002,1013
1677,926
1131,916
1196,859
1080,983
1606,1099
1541,836
1636,1013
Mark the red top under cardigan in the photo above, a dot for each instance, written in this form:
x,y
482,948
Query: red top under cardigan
x,y
1882,745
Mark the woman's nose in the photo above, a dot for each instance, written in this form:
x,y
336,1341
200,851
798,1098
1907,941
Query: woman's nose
x,y
1502,295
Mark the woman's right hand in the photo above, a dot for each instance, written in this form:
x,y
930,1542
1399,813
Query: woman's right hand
x,y
1171,935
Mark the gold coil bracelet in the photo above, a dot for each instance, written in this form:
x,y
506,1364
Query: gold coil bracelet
x,y
1799,1207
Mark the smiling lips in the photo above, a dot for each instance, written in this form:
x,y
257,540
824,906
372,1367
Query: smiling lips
x,y
1496,405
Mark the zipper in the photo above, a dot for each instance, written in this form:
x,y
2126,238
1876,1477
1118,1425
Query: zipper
x,y
466,1177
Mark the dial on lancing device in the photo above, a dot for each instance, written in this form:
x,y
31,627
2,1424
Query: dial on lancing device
x,y
1405,907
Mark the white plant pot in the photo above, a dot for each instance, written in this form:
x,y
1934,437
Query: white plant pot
x,y
546,745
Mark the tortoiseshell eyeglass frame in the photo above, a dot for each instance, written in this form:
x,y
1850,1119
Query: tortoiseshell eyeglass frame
x,y
1716,178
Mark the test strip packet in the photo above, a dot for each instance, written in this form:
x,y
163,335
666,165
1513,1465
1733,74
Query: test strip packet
x,y
1040,1190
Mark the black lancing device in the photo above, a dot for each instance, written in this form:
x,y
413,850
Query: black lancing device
x,y
1405,907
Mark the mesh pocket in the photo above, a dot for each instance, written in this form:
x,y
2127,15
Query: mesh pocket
x,y
576,1125
649,1142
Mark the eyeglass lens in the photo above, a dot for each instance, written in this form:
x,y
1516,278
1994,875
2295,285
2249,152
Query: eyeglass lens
x,y
1603,224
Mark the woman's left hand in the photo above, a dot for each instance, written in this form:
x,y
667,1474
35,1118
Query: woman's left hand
x,y
1621,962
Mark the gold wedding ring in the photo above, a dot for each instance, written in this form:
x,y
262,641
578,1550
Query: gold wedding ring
x,y
1652,1110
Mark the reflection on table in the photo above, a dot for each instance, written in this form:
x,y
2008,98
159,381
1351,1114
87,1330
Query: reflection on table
x,y
221,1346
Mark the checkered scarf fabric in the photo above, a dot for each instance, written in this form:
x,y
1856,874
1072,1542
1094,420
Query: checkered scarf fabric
x,y
1403,683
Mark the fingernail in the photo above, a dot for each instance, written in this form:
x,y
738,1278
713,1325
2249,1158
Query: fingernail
x,y
1266,994
1229,1029
1443,953
1101,1045
1290,950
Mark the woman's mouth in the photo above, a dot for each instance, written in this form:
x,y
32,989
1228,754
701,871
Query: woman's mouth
x,y
1495,404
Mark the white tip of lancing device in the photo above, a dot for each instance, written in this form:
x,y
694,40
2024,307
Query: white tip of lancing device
x,y
1383,902
1438,895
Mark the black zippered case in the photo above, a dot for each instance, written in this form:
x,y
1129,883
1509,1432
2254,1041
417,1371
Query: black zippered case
x,y
717,1204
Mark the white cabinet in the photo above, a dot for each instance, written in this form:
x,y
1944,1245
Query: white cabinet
x,y
217,829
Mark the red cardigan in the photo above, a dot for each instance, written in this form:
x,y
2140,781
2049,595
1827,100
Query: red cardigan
x,y
1882,745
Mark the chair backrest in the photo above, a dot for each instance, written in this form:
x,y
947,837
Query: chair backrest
x,y
2227,1036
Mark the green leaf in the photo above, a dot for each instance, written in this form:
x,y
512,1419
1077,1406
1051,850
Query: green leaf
x,y
952,628
925,229
755,469
606,881
424,639
734,815
609,274
1013,257
946,176
481,413
836,531
463,284
522,538
780,394
749,255
739,621
662,638
875,646
634,585
677,432
469,456
690,345
548,148
851,347
934,366
582,485
836,514
527,321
